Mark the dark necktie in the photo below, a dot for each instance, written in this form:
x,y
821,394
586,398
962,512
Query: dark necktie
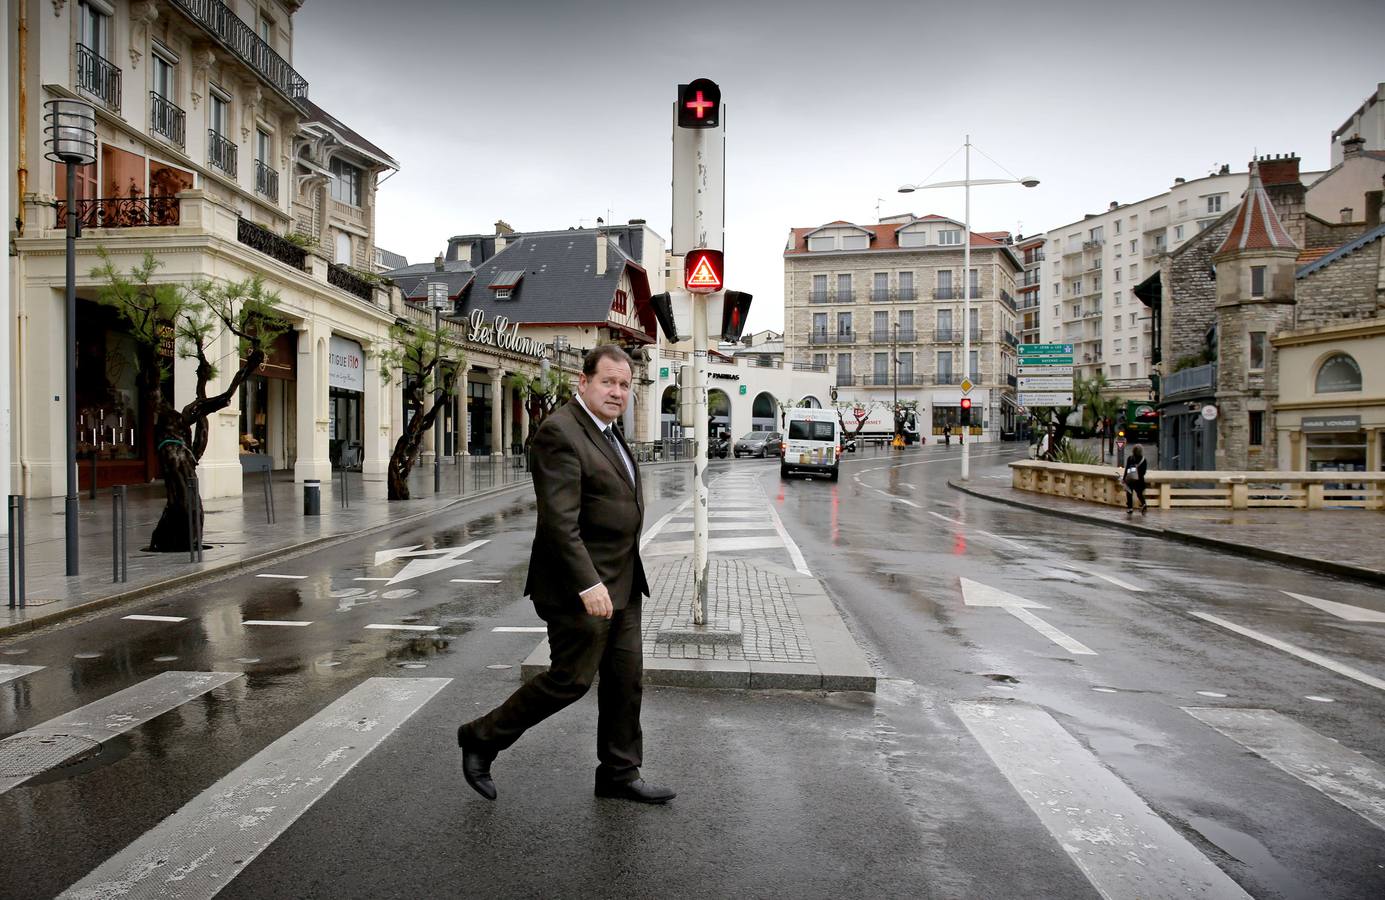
x,y
610,433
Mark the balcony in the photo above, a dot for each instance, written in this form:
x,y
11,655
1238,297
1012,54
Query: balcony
x,y
166,118
349,281
1008,301
122,212
1012,380
843,379
221,153
235,35
819,297
976,334
947,335
1011,339
947,293
947,378
266,181
881,295
1199,380
906,295
831,337
98,77
1156,250
1096,244
1092,312
271,244
906,336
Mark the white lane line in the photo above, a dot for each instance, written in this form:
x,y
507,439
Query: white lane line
x,y
403,627
765,525
475,580
1307,655
1068,643
653,530
1005,539
1353,780
799,563
10,673
120,712
285,577
903,500
143,618
1123,847
908,485
195,852
946,519
1340,610
1118,582
371,579
521,629
285,622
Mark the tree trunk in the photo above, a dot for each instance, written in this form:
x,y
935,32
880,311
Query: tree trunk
x,y
172,534
406,451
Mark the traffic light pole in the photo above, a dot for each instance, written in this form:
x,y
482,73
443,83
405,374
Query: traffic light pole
x,y
966,309
700,430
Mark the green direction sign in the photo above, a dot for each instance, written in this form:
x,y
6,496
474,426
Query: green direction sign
x,y
1053,360
1045,349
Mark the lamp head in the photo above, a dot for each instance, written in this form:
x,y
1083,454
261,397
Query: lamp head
x,y
906,188
1029,181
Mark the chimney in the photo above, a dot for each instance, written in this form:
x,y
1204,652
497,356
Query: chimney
x,y
1180,181
437,263
503,227
1280,170
1353,146
1346,214
600,253
1113,205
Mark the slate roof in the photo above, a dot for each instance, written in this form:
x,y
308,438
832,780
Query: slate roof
x,y
1346,249
391,259
560,284
1257,225
413,280
884,236
316,114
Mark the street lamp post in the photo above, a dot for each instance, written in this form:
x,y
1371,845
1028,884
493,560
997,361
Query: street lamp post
x,y
71,140
437,299
967,183
894,361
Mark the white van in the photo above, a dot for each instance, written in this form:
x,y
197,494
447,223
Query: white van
x,y
812,442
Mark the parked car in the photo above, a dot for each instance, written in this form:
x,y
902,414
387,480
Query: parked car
x,y
758,443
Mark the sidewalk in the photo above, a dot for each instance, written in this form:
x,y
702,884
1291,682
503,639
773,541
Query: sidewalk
x,y
1347,543
236,530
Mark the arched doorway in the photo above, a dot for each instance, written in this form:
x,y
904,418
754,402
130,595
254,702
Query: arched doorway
x,y
718,411
764,412
668,414
810,402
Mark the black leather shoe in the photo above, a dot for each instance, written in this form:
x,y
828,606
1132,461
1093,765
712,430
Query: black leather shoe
x,y
638,790
476,767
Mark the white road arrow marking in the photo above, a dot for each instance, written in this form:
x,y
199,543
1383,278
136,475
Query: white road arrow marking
x,y
424,562
1340,610
974,593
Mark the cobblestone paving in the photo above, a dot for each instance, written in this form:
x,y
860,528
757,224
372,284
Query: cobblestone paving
x,y
737,588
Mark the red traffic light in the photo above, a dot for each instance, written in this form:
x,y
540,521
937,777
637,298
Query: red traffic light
x,y
699,104
966,403
703,271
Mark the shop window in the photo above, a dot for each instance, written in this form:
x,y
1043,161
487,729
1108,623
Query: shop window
x,y
1338,374
1257,428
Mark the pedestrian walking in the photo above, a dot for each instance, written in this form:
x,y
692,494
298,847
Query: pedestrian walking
x,y
947,434
1133,478
586,580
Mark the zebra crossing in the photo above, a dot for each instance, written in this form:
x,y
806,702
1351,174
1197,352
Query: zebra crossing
x,y
1108,831
740,521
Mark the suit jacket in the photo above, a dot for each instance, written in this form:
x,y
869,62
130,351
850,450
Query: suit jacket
x,y
590,516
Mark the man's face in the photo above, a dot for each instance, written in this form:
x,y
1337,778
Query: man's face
x,y
607,391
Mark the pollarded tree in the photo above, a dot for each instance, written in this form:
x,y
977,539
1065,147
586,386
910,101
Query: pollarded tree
x,y
541,394
425,360
196,317
860,414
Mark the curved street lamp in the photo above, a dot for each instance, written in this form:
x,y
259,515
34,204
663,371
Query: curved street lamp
x,y
967,183
71,140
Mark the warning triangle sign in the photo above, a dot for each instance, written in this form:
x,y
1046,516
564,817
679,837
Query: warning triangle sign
x,y
704,275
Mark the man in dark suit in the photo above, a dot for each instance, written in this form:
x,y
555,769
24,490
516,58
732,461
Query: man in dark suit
x,y
586,580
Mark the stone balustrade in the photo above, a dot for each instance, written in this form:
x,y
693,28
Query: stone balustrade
x,y
1227,490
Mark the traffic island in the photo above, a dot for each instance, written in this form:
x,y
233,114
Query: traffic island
x,y
791,636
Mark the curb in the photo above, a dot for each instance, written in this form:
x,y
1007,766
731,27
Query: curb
x,y
1342,570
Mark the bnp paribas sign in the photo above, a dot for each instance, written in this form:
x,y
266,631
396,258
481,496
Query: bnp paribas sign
x,y
501,333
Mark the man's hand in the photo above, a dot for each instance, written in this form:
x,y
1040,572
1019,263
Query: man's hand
x,y
597,600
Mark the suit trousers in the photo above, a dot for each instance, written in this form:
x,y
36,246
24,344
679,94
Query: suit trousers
x,y
582,646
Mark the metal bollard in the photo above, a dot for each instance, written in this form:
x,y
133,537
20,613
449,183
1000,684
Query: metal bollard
x,y
268,497
120,563
194,521
345,497
461,474
16,573
312,497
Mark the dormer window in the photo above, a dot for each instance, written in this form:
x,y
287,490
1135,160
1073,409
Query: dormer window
x,y
844,238
504,284
950,237
822,243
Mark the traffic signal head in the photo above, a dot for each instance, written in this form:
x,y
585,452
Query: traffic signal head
x,y
966,410
703,271
966,403
663,311
699,104
735,307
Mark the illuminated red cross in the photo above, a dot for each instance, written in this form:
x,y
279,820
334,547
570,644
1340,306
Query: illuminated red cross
x,y
699,105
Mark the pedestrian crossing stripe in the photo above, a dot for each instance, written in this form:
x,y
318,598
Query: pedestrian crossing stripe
x,y
10,673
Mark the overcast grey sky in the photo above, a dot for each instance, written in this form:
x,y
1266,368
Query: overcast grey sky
x,y
549,114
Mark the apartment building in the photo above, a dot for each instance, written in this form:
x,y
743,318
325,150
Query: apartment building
x,y
1029,288
881,307
210,156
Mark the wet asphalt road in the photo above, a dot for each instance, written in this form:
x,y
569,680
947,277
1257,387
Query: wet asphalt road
x,y
781,794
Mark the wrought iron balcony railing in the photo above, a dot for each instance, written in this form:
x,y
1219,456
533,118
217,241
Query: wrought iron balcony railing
x,y
270,244
99,77
266,181
221,152
238,37
819,297
344,278
947,378
947,335
166,118
121,212
947,293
